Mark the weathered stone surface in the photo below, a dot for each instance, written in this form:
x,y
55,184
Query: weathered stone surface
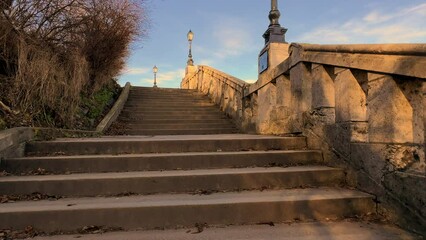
x,y
381,159
371,159
351,100
390,114
403,158
301,94
266,103
362,105
278,52
399,59
323,92
412,90
409,188
12,141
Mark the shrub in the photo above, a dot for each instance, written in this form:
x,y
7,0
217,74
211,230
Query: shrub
x,y
52,52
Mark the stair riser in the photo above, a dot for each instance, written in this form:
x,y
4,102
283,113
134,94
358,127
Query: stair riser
x,y
174,184
202,145
173,111
179,101
171,108
174,121
166,104
167,96
188,215
181,126
175,91
150,89
141,117
156,132
156,163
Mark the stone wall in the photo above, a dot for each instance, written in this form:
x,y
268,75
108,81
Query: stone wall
x,y
363,105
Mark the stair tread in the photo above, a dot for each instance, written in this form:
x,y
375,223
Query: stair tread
x,y
165,154
142,138
322,230
287,195
168,173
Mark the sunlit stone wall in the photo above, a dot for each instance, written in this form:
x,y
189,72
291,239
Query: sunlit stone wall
x,y
363,105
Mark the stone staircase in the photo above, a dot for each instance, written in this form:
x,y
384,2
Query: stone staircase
x,y
169,181
167,111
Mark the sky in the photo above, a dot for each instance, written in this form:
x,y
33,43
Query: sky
x,y
228,33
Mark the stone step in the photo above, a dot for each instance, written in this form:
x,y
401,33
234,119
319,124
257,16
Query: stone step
x,y
150,89
173,210
176,181
166,92
156,94
201,116
172,111
167,99
168,95
190,131
170,108
175,121
162,90
161,161
184,110
180,126
318,230
163,144
168,104
172,115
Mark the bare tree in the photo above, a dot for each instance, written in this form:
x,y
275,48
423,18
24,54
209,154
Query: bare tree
x,y
52,51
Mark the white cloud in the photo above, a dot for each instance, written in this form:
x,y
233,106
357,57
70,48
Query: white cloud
x,y
162,77
233,38
405,25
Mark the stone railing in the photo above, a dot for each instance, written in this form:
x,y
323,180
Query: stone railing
x,y
115,110
224,90
364,106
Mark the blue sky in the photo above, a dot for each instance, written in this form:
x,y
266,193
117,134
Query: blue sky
x,y
228,33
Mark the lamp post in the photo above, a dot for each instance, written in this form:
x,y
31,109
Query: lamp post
x,y
274,14
155,70
275,33
190,37
275,50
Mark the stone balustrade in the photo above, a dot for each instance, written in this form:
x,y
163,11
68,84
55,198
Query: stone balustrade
x,y
226,91
364,106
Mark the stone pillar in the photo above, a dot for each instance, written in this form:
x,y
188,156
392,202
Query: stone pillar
x,y
266,102
351,105
189,70
323,94
301,94
351,100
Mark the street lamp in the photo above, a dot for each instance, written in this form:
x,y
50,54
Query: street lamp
x,y
190,37
275,33
274,14
155,70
